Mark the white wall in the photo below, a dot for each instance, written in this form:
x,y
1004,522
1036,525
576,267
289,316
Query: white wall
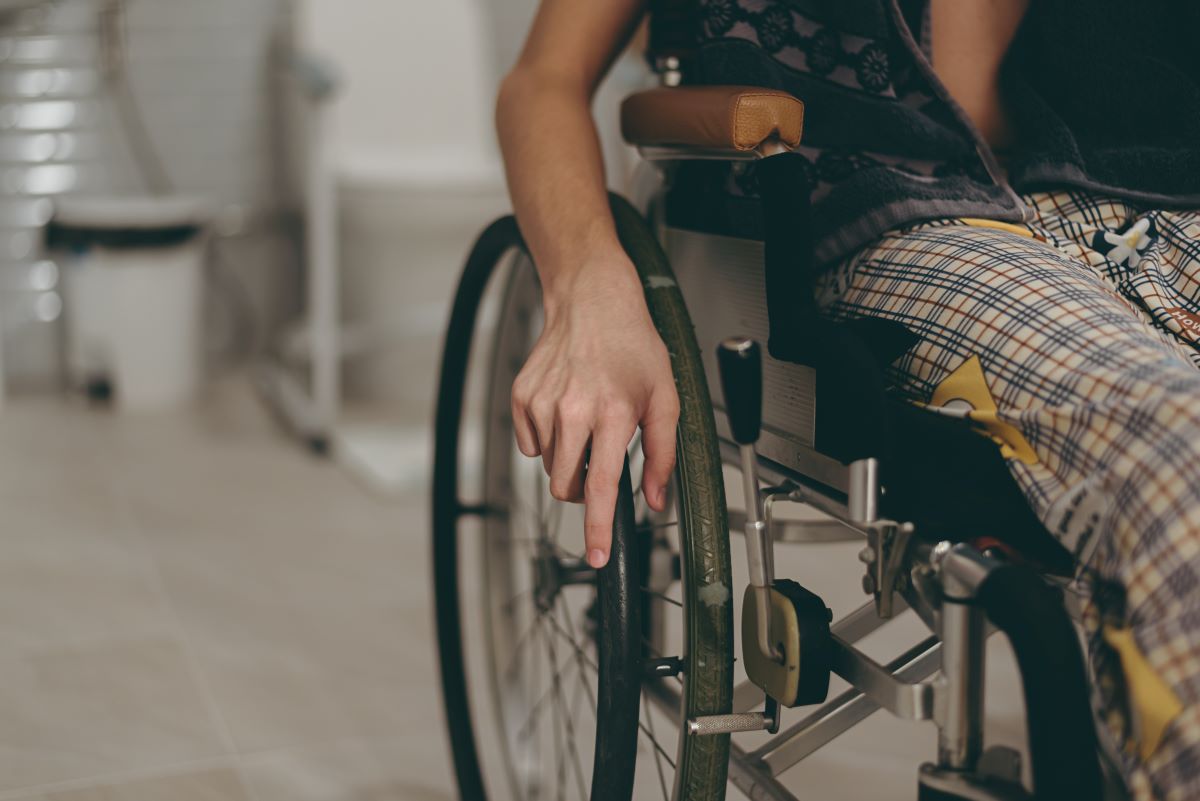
x,y
205,82
418,81
418,165
200,71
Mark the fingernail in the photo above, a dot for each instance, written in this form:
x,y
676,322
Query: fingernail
x,y
596,558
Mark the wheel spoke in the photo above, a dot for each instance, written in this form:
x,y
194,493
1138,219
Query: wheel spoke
x,y
535,710
559,751
657,748
567,721
581,674
663,597
532,742
583,658
525,508
560,767
507,606
662,779
583,661
574,645
522,641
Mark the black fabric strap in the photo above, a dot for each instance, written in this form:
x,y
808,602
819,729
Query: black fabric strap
x,y
850,356
785,188
63,236
1062,735
674,30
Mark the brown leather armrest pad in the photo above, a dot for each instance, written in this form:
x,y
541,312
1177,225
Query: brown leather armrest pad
x,y
738,117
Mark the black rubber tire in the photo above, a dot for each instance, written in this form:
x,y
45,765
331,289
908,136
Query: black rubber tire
x,y
492,244
619,647
618,635
703,765
703,761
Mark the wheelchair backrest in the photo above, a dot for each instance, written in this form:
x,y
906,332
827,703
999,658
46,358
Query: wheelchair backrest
x,y
674,32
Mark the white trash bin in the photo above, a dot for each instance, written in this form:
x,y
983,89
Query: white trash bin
x,y
133,274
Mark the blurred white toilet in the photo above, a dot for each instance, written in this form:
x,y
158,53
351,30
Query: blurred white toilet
x,y
417,176
406,228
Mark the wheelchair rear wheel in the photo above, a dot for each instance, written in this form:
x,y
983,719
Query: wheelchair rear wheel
x,y
581,682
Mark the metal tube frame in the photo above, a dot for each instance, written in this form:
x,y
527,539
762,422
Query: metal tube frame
x,y
759,556
959,704
850,494
952,700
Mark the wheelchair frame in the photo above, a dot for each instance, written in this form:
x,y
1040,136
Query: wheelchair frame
x,y
900,571
942,582
940,678
850,494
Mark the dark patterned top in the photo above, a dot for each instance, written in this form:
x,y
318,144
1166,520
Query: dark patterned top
x,y
884,145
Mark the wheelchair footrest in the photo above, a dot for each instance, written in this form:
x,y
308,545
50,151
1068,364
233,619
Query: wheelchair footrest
x,y
940,784
800,627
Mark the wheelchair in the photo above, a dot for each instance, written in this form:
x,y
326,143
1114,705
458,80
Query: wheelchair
x,y
564,682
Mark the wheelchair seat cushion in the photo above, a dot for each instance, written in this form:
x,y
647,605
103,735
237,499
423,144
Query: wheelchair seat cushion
x,y
954,484
742,118
938,472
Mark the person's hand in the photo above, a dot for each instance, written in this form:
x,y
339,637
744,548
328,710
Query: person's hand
x,y
597,372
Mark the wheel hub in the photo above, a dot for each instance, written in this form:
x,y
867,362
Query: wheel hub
x,y
552,572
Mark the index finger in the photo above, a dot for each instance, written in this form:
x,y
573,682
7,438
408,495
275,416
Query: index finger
x,y
607,460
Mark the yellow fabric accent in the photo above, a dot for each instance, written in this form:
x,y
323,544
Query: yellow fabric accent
x,y
1019,230
967,385
1153,703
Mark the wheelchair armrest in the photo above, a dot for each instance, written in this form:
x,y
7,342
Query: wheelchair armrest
x,y
739,120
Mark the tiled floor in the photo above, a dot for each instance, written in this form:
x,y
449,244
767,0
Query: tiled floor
x,y
193,609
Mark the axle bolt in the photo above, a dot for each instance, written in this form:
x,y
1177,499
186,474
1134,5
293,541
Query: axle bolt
x,y
666,667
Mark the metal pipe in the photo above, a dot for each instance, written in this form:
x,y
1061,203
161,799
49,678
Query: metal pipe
x,y
838,715
762,600
902,699
749,460
754,779
959,706
959,702
758,558
831,720
863,498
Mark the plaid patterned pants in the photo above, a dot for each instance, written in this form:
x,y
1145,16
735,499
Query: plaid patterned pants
x,y
1075,343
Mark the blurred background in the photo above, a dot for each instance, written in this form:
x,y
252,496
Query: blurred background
x,y
229,235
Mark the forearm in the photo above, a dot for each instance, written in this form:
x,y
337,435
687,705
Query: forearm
x,y
556,179
598,370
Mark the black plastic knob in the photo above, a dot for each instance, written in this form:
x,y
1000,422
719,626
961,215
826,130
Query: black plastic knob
x,y
740,361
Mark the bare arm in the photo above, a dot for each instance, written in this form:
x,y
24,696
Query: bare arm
x,y
551,150
970,40
599,369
